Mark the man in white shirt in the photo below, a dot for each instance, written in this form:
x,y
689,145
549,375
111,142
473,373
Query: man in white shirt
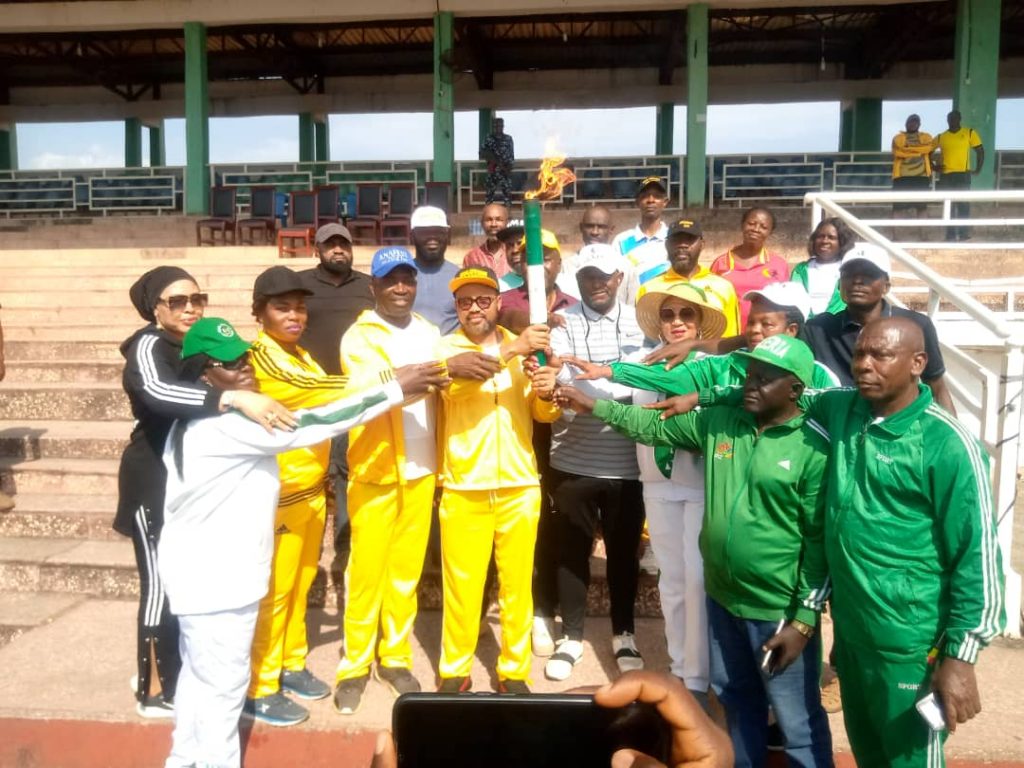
x,y
651,199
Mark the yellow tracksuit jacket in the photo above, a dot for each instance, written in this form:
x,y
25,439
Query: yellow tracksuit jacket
x,y
487,426
376,450
296,382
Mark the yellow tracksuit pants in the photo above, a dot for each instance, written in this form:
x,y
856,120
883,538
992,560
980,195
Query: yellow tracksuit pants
x,y
280,639
390,526
472,523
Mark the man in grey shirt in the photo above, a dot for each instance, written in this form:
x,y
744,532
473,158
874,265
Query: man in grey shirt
x,y
594,473
430,234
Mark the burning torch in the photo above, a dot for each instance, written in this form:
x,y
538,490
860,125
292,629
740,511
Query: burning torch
x,y
552,179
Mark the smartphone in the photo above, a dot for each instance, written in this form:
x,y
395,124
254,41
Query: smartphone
x,y
436,730
930,708
768,662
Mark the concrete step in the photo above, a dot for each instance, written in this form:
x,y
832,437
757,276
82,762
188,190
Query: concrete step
x,y
88,477
94,303
61,516
22,612
15,349
60,402
64,439
58,371
107,569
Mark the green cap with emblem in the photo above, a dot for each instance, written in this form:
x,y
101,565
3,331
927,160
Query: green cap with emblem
x,y
214,337
785,352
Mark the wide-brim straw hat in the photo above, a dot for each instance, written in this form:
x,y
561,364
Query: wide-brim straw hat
x,y
712,319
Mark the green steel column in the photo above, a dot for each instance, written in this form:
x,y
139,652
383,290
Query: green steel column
x,y
976,64
157,151
197,121
8,148
663,128
132,142
306,143
444,98
846,128
866,128
696,104
486,120
321,139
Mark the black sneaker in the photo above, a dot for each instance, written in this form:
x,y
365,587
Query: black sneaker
x,y
518,687
275,709
154,707
455,685
304,685
349,694
398,679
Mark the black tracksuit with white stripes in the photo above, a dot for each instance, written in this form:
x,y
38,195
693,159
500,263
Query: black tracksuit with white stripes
x,y
153,382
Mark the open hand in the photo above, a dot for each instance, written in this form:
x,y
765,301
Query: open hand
x,y
588,370
672,354
421,378
265,411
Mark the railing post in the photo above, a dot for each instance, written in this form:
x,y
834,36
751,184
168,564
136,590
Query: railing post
x,y
1005,472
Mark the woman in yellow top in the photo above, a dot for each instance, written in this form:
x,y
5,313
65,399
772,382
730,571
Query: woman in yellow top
x,y
287,373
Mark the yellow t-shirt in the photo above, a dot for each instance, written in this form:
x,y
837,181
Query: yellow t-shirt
x,y
956,149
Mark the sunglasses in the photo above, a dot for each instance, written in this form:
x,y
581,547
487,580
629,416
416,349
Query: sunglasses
x,y
685,315
178,303
465,302
231,365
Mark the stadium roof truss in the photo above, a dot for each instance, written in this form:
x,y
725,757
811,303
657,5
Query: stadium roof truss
x,y
867,41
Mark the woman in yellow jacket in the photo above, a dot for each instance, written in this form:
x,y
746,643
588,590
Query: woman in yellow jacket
x,y
491,497
287,373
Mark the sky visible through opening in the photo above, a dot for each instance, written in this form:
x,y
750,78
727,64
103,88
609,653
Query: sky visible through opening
x,y
732,129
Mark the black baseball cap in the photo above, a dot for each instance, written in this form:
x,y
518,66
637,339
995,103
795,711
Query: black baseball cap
x,y
276,281
685,227
512,232
651,181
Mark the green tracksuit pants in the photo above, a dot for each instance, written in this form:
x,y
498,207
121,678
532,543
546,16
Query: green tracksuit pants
x,y
883,725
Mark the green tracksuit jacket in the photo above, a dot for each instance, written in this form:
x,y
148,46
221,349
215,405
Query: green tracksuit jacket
x,y
910,531
763,518
702,373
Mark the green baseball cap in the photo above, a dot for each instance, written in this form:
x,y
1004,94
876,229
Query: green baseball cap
x,y
785,352
215,337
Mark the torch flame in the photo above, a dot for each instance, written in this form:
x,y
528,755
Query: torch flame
x,y
552,179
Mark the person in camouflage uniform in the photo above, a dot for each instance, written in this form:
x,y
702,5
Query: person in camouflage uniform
x,y
499,153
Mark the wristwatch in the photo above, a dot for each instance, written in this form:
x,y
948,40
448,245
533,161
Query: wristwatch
x,y
804,629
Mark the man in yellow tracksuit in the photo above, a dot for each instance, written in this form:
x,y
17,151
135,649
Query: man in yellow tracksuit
x,y
287,373
491,498
392,470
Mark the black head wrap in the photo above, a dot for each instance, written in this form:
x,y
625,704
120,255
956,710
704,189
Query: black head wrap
x,y
147,289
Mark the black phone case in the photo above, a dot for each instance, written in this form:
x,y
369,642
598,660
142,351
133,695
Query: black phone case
x,y
497,731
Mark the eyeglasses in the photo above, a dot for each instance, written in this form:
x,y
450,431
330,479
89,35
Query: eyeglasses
x,y
465,302
685,315
178,303
231,365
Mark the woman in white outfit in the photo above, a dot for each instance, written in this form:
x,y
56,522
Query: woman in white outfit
x,y
673,483
218,536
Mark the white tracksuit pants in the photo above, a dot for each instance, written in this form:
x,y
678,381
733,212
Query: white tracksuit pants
x,y
674,528
215,659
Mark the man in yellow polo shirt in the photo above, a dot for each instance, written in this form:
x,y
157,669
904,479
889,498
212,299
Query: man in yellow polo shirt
x,y
683,245
955,172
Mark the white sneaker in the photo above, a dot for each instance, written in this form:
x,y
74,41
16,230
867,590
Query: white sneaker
x,y
626,655
567,655
543,643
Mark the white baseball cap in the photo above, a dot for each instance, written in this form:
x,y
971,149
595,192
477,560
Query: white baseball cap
x,y
784,295
599,256
870,253
428,216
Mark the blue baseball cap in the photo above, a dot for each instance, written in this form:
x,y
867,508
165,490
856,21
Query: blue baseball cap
x,y
386,259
